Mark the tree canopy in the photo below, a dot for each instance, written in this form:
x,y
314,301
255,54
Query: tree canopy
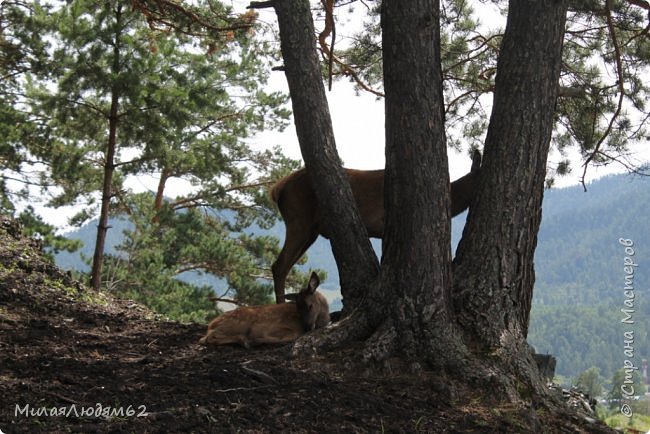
x,y
602,108
102,94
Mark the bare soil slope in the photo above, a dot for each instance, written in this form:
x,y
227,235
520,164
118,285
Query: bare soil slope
x,y
64,348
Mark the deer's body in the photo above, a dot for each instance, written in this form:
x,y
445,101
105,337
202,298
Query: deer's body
x,y
296,199
271,324
303,220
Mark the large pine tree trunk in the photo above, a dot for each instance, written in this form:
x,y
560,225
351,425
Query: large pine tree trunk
x,y
493,270
357,264
416,262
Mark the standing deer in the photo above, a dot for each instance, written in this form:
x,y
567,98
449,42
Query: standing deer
x,y
303,220
271,324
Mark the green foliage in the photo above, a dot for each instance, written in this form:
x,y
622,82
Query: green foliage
x,y
196,241
162,253
628,381
590,382
181,113
147,280
182,109
23,49
34,226
637,421
182,99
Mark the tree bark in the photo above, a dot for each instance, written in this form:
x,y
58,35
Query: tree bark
x,y
160,191
356,261
109,165
493,267
416,262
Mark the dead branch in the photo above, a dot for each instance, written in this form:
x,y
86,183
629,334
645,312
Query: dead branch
x,y
330,28
165,12
216,299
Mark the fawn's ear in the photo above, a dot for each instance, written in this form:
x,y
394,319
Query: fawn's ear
x,y
313,283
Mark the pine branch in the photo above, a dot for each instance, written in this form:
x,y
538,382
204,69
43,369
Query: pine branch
x,y
88,105
261,5
215,268
621,90
249,186
164,12
192,201
26,182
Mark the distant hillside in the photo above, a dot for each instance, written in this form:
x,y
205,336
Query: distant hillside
x,y
578,293
578,240
87,235
579,266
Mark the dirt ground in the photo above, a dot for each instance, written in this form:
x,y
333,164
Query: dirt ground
x,y
114,367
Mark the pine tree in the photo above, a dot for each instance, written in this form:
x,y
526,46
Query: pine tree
x,y
23,49
160,248
590,382
130,100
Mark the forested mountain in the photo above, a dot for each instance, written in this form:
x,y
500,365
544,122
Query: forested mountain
x,y
579,239
579,265
579,292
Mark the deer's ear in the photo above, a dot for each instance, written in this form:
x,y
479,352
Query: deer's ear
x,y
291,296
314,281
476,161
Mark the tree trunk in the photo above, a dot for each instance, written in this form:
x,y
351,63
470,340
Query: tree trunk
x,y
160,191
107,194
493,269
109,166
423,313
160,194
416,262
356,261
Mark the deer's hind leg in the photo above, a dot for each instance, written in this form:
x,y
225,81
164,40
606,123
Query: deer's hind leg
x,y
298,240
280,335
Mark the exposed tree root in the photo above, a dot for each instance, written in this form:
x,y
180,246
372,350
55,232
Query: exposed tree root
x,y
510,372
381,345
506,377
354,327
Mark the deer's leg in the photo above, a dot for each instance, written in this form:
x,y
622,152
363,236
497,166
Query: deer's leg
x,y
216,337
278,335
296,243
